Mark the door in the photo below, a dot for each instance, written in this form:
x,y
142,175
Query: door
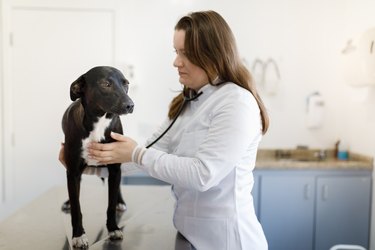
x,y
287,211
50,48
343,211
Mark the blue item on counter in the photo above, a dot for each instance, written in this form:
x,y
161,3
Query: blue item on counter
x,y
342,155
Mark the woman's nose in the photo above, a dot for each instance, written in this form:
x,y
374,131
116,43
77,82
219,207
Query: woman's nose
x,y
177,62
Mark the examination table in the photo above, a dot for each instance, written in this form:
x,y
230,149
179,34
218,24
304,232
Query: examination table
x,y
147,223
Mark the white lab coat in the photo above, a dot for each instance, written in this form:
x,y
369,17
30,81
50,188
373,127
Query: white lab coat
x,y
208,157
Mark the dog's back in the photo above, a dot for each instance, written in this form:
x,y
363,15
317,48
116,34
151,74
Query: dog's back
x,y
72,121
74,131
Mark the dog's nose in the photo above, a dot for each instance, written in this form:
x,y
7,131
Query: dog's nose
x,y
129,107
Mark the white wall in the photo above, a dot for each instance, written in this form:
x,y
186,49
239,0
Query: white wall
x,y
304,37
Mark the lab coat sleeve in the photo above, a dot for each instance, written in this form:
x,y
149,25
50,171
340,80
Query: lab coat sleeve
x,y
234,127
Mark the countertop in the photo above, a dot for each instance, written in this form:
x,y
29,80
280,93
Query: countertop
x,y
147,224
308,159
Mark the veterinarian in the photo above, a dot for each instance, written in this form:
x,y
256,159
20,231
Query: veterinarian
x,y
209,153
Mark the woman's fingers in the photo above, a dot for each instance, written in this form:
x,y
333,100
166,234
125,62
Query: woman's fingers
x,y
100,146
118,137
100,156
103,153
115,152
107,146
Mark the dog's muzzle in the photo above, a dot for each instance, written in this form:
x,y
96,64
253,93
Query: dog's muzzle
x,y
126,107
129,108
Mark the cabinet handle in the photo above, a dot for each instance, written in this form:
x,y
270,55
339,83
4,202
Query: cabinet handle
x,y
324,192
306,193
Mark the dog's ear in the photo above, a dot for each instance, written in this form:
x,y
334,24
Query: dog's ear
x,y
76,88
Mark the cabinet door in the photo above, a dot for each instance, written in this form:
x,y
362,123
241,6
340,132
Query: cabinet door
x,y
343,211
287,211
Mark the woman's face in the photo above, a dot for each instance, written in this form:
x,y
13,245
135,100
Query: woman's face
x,y
190,74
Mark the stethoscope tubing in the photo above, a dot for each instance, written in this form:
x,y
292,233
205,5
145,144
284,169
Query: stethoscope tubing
x,y
186,100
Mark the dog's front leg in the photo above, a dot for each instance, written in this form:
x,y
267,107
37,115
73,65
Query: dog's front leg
x,y
79,238
121,205
114,180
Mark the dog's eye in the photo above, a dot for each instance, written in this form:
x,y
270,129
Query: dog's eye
x,y
106,84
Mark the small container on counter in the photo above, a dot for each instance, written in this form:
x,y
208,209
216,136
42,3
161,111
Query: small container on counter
x,y
342,151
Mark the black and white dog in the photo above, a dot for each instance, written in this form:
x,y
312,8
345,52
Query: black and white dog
x,y
100,96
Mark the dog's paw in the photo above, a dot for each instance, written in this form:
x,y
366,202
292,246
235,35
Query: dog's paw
x,y
121,207
115,235
81,242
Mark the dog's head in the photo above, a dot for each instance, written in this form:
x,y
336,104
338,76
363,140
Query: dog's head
x,y
104,89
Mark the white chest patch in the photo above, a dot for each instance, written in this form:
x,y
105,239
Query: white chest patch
x,y
96,135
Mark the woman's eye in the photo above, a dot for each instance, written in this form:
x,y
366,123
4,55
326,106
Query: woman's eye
x,y
180,52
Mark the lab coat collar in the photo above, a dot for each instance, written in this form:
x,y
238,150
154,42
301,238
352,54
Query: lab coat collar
x,y
206,91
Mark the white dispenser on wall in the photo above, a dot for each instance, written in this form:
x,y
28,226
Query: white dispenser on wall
x,y
314,111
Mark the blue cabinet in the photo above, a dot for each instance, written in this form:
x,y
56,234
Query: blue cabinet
x,y
314,210
255,193
306,209
141,178
287,211
342,211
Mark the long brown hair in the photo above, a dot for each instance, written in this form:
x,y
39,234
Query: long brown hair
x,y
210,44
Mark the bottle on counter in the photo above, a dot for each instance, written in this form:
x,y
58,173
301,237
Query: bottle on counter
x,y
341,151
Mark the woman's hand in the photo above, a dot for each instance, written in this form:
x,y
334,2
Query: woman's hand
x,y
115,152
61,155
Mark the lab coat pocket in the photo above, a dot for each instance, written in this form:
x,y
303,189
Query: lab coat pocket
x,y
189,143
207,233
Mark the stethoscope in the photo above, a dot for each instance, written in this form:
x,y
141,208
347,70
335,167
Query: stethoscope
x,y
189,95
